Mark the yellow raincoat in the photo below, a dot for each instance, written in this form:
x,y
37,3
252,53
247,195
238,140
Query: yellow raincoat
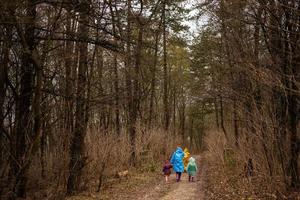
x,y
186,158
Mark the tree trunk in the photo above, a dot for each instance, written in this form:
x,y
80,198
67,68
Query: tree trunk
x,y
3,80
128,70
153,81
165,70
77,157
217,112
116,79
68,119
174,110
136,94
293,109
235,123
182,122
293,89
43,149
222,118
191,131
117,99
295,181
19,162
37,107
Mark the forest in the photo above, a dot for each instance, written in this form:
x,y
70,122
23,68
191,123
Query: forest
x,y
96,94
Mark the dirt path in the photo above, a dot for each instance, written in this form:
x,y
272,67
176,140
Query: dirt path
x,y
152,187
182,190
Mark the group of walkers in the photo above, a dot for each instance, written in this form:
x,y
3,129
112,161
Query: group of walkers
x,y
180,162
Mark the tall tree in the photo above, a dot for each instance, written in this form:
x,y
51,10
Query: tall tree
x,y
19,159
77,150
165,68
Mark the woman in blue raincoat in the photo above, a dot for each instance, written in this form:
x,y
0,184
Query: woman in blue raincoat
x,y
177,162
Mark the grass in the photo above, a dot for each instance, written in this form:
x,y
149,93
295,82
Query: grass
x,y
132,187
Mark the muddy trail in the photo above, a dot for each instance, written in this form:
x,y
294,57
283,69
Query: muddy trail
x,y
153,187
183,190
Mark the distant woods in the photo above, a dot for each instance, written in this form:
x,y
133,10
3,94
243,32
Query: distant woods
x,y
76,73
250,51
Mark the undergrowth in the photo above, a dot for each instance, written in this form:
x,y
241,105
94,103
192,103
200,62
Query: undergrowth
x,y
227,178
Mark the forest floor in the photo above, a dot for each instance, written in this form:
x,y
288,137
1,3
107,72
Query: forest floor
x,y
152,186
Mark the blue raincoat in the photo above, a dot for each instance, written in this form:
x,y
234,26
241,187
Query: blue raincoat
x,y
176,160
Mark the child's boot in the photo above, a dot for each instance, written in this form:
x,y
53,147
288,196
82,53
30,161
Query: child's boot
x,y
179,176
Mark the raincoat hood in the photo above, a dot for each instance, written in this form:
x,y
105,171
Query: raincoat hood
x,y
186,152
167,162
179,151
192,161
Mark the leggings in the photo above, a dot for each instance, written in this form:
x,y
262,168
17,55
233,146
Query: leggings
x,y
178,176
191,178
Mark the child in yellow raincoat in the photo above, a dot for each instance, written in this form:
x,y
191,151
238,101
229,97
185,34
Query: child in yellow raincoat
x,y
186,158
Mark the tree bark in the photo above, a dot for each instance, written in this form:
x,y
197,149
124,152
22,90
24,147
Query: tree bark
x,y
37,107
136,94
19,162
217,112
69,64
4,64
292,22
222,118
182,121
129,87
77,149
293,114
116,78
165,70
153,81
235,123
